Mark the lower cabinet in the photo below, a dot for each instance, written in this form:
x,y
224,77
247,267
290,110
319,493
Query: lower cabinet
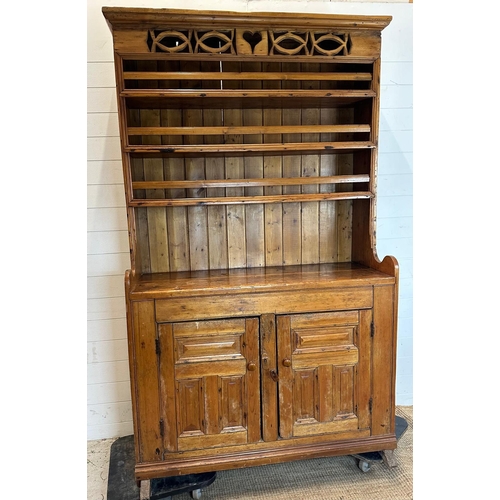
x,y
231,392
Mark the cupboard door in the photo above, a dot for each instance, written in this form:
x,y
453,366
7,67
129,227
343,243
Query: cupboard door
x,y
324,373
209,376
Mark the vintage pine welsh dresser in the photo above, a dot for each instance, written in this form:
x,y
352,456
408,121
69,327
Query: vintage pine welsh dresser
x,y
261,323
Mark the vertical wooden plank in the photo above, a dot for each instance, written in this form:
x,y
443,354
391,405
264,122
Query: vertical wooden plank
x,y
254,168
195,170
285,377
236,225
269,387
167,386
236,240
374,136
344,229
142,261
344,207
125,119
251,353
131,365
327,220
325,389
157,231
363,368
147,383
232,402
177,223
327,209
346,390
296,399
214,169
310,168
362,251
153,171
142,258
292,225
336,390
273,168
383,349
211,388
365,162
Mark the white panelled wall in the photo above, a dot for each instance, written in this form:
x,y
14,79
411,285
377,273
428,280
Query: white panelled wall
x,y
109,411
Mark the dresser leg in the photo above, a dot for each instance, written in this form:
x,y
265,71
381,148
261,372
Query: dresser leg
x,y
145,489
389,459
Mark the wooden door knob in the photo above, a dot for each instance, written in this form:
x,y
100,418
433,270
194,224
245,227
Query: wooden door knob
x,y
287,362
251,366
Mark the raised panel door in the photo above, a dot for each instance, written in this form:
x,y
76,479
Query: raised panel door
x,y
324,373
209,375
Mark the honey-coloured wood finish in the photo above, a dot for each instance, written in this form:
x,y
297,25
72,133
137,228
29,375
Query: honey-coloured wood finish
x,y
261,322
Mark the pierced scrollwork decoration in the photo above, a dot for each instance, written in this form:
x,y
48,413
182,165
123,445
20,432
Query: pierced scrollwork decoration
x,y
248,42
214,42
170,41
289,43
330,44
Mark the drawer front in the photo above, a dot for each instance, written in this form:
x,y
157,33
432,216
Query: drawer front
x,y
256,304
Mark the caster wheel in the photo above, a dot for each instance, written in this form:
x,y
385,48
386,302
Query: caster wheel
x,y
196,494
363,466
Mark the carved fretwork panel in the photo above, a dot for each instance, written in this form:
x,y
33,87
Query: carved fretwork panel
x,y
215,42
248,42
329,44
170,41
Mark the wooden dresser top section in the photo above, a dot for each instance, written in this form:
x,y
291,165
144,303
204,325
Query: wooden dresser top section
x,y
132,26
256,280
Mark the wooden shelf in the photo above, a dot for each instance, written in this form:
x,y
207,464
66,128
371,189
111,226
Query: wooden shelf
x,y
249,200
239,281
253,58
247,75
267,148
261,182
248,130
244,98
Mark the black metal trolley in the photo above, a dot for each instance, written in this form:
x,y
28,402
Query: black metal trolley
x,y
123,486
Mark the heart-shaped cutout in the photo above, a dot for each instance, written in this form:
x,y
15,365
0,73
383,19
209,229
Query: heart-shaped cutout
x,y
253,38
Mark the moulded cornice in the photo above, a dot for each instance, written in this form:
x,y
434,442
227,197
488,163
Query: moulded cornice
x,y
124,17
